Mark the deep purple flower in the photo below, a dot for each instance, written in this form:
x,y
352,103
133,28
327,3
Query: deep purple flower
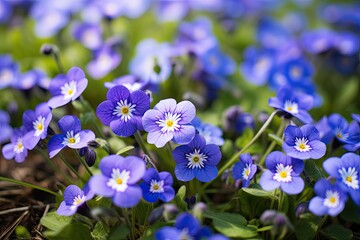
x,y
168,121
157,186
244,170
346,171
72,136
330,199
186,227
67,88
16,149
284,172
105,60
197,159
36,124
293,103
303,143
89,34
118,180
211,133
5,129
122,110
74,198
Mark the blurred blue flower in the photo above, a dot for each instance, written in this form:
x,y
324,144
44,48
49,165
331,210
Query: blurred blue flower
x,y
9,71
342,15
244,169
5,129
330,199
29,79
196,159
271,35
131,82
105,60
326,135
118,180
171,11
6,10
16,149
318,41
74,198
89,34
211,133
213,61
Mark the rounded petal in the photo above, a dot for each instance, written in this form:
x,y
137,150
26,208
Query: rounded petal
x,y
332,166
168,194
187,111
321,186
291,133
310,132
318,149
170,233
85,137
117,93
98,185
267,182
136,166
316,206
58,101
147,195
65,210
238,170
104,112
298,166
214,154
124,128
28,118
129,198
108,163
149,120
303,116
30,140
141,100
295,186
273,159
183,173
179,153
166,105
75,73
167,178
150,174
189,222
336,210
206,174
69,123
8,151
294,153
56,84
198,142
158,138
184,135
71,192
55,145
80,87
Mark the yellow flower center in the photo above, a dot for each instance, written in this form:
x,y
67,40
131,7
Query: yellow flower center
x,y
332,200
39,127
72,140
169,123
247,172
19,145
302,146
349,179
78,201
196,159
70,91
156,187
119,181
283,174
125,110
339,135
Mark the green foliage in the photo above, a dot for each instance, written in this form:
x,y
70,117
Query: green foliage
x,y
180,198
337,232
119,233
306,228
99,232
22,233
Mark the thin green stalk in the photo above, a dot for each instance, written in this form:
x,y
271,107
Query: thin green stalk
x,y
72,168
83,162
25,184
235,157
141,142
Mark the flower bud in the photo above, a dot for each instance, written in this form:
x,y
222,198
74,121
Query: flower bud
x,y
155,215
90,157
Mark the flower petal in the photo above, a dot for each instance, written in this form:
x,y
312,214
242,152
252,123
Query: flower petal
x,y
316,206
206,174
267,182
69,123
332,166
141,100
65,210
104,112
117,93
55,145
124,128
98,185
158,138
183,173
295,186
129,198
187,111
166,105
80,87
184,135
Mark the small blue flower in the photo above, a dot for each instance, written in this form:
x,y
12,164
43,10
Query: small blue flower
x,y
346,171
122,110
303,143
105,60
118,179
72,136
157,186
330,199
211,133
244,170
214,62
284,172
16,149
5,129
9,71
318,41
197,159
89,34
74,198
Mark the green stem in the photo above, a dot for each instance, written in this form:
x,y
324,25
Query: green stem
x,y
72,168
235,157
82,161
28,185
141,143
263,229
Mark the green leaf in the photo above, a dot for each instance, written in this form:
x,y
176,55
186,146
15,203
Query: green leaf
x,y
231,225
306,227
348,93
74,230
338,232
259,193
246,136
124,150
99,232
276,139
119,233
55,222
22,233
179,198
312,170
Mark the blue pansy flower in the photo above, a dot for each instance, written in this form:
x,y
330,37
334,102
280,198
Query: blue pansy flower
x,y
318,41
89,34
346,171
197,160
211,133
157,186
118,179
9,71
284,172
244,170
74,198
122,110
214,62
36,124
303,143
16,149
104,61
71,135
330,199
293,104
5,129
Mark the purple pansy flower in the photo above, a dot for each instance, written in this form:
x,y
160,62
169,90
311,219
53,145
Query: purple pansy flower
x,y
157,186
168,121
303,143
123,110
186,227
16,149
330,199
284,172
346,171
72,136
74,198
211,133
118,179
197,159
5,129
293,103
36,124
67,88
244,170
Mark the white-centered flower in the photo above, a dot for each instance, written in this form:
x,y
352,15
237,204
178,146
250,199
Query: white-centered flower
x,y
170,123
6,76
68,90
184,235
340,134
295,72
350,177
283,174
118,180
38,125
291,107
196,159
78,200
71,139
104,62
301,144
19,147
124,110
332,199
246,172
156,186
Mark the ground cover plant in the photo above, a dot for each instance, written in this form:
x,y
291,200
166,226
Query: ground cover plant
x,y
159,119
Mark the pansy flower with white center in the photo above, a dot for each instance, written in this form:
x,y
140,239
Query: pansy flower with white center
x,y
292,104
244,170
157,186
16,149
303,143
36,124
67,88
118,180
122,110
71,135
197,160
170,121
284,172
346,171
330,199
74,198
